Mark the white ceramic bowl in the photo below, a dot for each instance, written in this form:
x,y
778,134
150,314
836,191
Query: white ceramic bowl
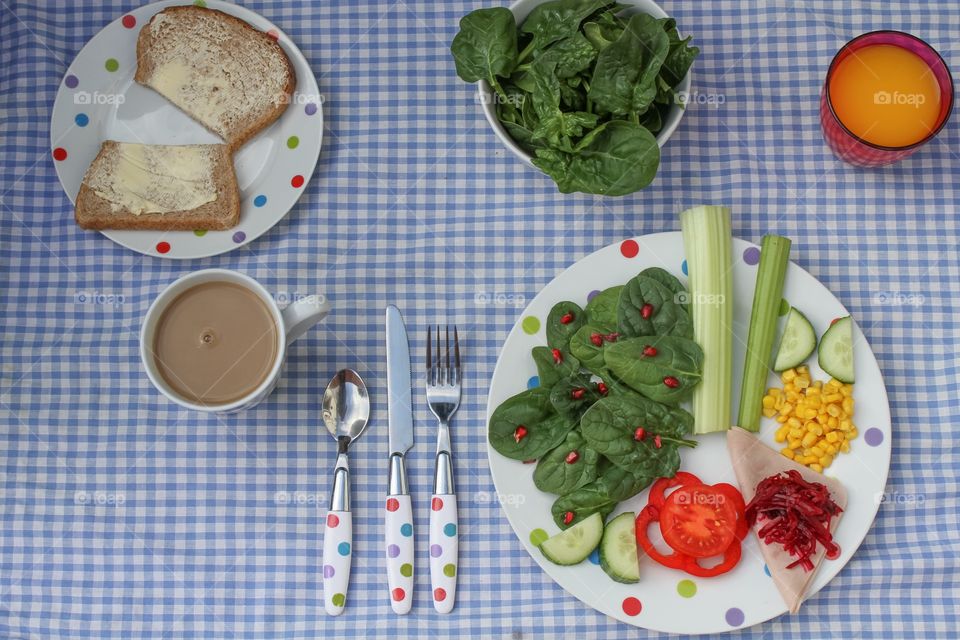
x,y
521,9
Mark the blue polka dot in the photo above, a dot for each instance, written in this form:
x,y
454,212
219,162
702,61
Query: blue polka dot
x,y
534,381
406,530
450,529
766,570
683,267
343,548
260,200
81,119
595,556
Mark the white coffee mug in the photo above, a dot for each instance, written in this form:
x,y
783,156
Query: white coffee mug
x,y
292,322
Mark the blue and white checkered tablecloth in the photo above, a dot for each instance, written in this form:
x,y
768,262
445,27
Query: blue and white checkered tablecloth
x,y
122,516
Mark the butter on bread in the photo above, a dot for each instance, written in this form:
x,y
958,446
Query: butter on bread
x,y
226,75
160,187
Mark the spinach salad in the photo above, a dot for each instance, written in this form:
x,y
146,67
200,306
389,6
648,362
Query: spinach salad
x,y
604,423
583,86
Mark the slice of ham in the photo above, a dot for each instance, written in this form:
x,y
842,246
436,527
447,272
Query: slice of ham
x,y
752,462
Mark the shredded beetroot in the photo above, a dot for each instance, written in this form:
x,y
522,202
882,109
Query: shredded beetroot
x,y
796,514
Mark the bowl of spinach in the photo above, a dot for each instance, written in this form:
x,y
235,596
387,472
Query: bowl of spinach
x,y
587,91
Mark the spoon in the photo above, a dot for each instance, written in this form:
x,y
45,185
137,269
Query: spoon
x,y
345,410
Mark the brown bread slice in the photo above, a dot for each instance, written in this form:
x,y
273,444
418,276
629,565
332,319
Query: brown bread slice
x,y
135,186
226,75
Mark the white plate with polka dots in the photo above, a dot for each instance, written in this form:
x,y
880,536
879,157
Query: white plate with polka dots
x,y
668,600
98,100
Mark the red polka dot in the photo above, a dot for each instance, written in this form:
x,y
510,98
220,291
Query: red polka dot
x,y
436,504
332,521
629,248
632,606
297,182
399,594
59,154
392,504
439,594
832,322
129,22
163,247
273,34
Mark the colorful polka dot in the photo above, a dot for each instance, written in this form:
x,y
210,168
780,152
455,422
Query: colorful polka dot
x,y
593,294
873,437
71,81
533,382
734,617
683,268
439,594
293,142
260,200
406,569
632,606
343,548
687,588
239,237
81,119
296,182
310,109
450,570
435,550
530,325
163,247
111,65
129,22
766,570
751,255
328,571
629,248
399,594
392,504
200,3
406,530
594,556
538,537
200,232
450,529
393,551
338,599
59,154
784,307
273,34
834,321
436,504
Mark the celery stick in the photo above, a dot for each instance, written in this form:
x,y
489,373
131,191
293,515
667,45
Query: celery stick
x,y
774,257
706,242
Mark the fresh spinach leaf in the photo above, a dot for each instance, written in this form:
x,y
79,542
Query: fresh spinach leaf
x,y
669,281
572,55
582,503
584,346
572,396
602,309
531,409
562,322
558,19
620,484
568,467
486,46
668,376
624,78
556,127
549,371
679,60
648,308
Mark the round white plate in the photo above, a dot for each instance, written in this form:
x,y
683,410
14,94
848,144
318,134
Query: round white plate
x,y
98,100
662,600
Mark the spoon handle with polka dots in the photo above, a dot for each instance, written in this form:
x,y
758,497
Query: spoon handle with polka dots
x,y
337,550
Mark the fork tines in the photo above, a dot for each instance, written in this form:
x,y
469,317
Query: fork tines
x,y
439,371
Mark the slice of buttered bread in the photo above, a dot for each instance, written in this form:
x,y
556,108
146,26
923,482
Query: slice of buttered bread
x,y
226,75
143,186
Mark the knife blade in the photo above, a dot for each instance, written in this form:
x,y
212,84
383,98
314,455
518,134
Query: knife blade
x,y
398,384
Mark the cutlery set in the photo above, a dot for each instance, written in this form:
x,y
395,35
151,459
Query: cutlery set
x,y
345,411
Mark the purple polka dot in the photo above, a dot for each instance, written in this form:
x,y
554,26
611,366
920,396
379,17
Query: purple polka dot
x,y
328,571
751,256
435,550
239,237
592,294
71,81
393,551
310,109
734,616
873,437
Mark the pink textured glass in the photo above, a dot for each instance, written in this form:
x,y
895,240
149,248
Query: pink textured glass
x,y
855,150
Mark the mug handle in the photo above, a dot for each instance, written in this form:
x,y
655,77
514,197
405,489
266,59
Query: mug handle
x,y
302,314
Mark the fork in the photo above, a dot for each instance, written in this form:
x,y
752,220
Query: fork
x,y
443,396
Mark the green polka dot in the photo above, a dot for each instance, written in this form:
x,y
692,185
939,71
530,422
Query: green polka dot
x,y
449,570
200,233
687,588
530,324
538,537
784,307
200,3
338,599
111,64
406,569
292,142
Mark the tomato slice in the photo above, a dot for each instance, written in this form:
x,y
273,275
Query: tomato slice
x,y
699,520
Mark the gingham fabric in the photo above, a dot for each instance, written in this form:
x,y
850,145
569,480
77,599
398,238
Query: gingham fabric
x,y
122,516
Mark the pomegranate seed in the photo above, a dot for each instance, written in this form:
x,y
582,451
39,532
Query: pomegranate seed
x,y
649,351
656,442
568,517
671,382
611,337
557,356
602,389
531,461
596,339
639,434
572,457
577,394
566,318
646,311
519,433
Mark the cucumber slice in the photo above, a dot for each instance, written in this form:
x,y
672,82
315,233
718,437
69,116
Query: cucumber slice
x,y
575,544
836,350
618,549
797,343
